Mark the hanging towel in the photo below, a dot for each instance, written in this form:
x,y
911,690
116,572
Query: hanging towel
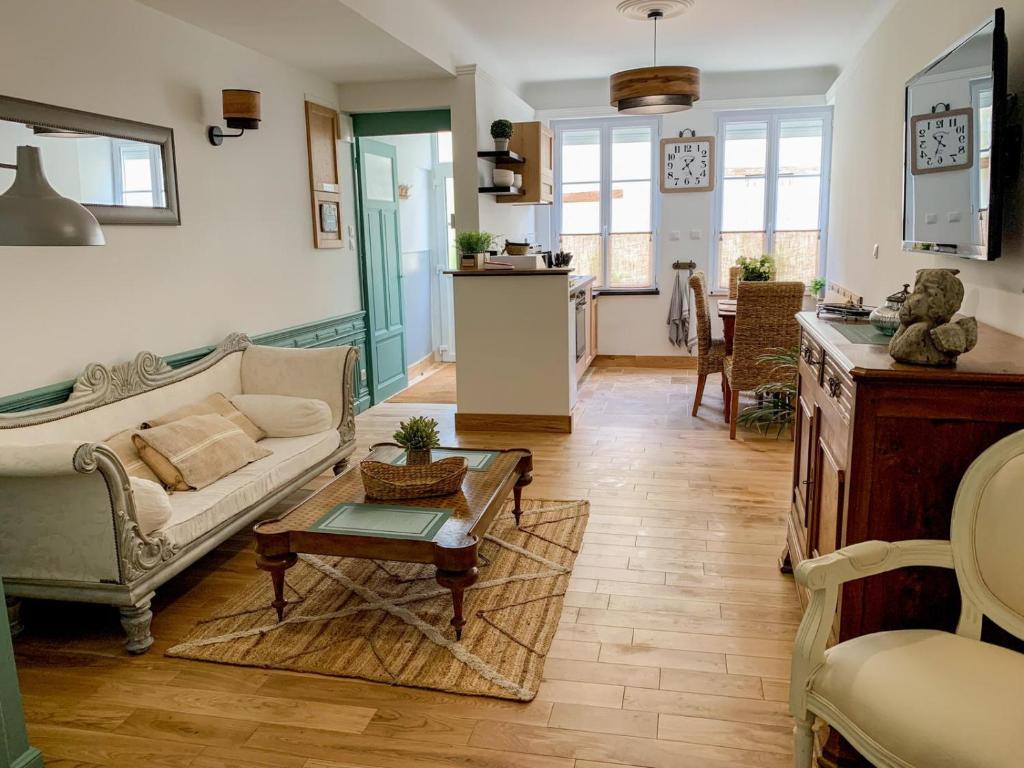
x,y
679,315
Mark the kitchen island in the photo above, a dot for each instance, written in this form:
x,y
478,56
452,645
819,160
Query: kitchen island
x,y
515,332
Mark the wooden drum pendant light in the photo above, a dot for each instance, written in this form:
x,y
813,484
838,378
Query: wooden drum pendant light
x,y
654,90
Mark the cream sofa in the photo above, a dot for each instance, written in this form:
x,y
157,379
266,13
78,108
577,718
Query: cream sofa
x,y
67,510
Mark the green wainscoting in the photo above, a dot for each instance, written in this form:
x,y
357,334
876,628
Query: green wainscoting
x,y
345,330
14,747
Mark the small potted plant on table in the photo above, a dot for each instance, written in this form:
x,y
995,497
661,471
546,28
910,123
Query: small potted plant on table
x,y
473,247
417,435
756,270
501,132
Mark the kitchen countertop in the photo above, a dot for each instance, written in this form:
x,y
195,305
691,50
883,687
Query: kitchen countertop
x,y
580,281
505,272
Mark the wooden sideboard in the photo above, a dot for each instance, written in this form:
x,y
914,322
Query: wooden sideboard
x,y
880,448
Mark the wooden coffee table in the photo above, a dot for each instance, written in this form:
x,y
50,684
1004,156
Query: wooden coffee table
x,y
452,548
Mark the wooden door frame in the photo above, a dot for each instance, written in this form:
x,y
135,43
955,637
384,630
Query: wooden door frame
x,y
367,125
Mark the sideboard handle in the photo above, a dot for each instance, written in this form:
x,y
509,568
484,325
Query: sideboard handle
x,y
809,357
834,386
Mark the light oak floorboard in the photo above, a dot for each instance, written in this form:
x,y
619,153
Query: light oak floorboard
x,y
672,647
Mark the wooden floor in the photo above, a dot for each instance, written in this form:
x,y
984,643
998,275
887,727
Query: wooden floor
x,y
673,650
437,385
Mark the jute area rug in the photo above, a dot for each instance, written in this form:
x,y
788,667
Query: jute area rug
x,y
388,622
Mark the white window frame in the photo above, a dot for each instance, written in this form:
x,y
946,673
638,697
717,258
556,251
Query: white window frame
x,y
156,172
773,117
605,125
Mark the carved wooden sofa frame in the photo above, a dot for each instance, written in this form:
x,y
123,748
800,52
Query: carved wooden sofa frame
x,y
90,474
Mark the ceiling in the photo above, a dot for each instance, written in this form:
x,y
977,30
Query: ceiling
x,y
322,36
543,40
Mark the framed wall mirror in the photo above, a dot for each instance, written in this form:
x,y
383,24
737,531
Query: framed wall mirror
x,y
959,142
121,170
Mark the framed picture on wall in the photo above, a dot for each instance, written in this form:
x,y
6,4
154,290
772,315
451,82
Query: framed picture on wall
x,y
329,217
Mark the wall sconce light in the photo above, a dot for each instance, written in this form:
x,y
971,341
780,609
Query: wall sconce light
x,y
241,111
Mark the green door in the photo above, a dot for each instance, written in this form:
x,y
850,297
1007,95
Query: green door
x,y
378,176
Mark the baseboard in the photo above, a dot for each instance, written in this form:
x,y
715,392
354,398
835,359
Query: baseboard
x,y
645,361
420,367
512,422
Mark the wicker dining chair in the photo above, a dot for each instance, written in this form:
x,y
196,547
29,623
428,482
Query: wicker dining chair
x,y
710,352
765,322
734,280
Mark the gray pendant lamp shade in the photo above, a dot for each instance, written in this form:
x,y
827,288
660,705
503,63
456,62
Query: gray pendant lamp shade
x,y
32,213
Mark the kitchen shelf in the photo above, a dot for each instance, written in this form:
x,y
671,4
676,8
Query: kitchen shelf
x,y
504,157
511,191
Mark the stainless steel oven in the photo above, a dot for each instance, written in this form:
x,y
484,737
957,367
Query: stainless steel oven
x,y
581,324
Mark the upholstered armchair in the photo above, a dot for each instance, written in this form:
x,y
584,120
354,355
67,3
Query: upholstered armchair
x,y
925,698
710,352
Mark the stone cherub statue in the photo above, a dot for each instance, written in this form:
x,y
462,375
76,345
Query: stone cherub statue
x,y
928,335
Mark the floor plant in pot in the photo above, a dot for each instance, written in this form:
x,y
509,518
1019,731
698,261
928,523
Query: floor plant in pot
x,y
472,247
776,400
417,435
501,132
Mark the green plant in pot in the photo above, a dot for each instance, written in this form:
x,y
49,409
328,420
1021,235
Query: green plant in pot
x,y
501,132
417,435
776,400
756,270
473,246
817,286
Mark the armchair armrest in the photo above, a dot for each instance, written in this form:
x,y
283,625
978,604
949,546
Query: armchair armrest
x,y
824,576
324,374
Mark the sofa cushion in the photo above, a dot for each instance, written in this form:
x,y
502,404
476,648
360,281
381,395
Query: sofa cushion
x,y
201,511
195,451
152,504
284,416
122,445
215,403
318,373
929,698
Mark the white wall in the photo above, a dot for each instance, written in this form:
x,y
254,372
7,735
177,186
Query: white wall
x,y
243,257
636,325
866,201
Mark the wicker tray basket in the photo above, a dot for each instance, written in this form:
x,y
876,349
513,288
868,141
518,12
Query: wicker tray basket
x,y
440,478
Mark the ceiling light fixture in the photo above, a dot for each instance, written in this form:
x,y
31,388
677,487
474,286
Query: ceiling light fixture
x,y
654,90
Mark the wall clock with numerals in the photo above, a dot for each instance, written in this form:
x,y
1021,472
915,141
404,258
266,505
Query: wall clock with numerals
x,y
942,141
688,164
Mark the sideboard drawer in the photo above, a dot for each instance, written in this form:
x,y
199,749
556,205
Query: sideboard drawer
x,y
811,358
838,387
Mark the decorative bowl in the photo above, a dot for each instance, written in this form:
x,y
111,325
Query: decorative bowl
x,y
387,481
502,177
886,318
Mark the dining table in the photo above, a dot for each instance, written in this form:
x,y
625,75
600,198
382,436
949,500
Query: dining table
x,y
727,311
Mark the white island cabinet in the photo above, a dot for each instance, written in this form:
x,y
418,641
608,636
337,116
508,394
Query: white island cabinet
x,y
515,332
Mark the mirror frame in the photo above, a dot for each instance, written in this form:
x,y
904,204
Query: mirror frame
x,y
49,116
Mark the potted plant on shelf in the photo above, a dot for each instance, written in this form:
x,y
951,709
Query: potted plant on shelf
x,y
501,132
756,270
417,435
473,247
817,286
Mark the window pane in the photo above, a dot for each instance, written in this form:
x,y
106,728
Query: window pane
x,y
629,260
444,146
800,145
732,245
135,173
797,203
581,209
586,250
746,148
631,152
631,206
796,255
581,155
137,198
743,205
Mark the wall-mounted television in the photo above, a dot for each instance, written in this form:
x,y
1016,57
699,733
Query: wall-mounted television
x,y
959,147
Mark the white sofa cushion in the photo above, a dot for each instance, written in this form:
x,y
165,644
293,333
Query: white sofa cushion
x,y
929,698
285,416
152,504
197,512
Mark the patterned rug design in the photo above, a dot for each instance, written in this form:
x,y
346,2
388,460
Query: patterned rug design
x,y
388,621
